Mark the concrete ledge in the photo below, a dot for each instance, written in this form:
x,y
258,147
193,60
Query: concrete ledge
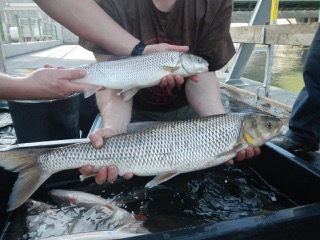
x,y
14,49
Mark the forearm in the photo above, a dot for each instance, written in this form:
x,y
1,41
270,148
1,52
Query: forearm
x,y
78,17
204,96
11,88
115,113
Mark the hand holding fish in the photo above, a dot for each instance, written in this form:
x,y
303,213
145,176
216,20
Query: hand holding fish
x,y
55,83
106,173
42,84
249,152
171,81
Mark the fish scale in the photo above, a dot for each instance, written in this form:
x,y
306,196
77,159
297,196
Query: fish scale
x,y
173,146
165,150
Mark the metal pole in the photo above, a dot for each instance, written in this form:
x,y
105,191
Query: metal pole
x,y
31,29
2,35
39,27
21,39
2,59
269,63
260,15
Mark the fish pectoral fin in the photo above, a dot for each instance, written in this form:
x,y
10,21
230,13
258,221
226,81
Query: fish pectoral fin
x,y
160,179
238,146
231,153
128,93
171,69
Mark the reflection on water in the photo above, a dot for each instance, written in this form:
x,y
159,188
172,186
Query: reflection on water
x,y
286,70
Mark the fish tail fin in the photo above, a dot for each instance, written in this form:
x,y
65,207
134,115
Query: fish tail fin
x,y
29,179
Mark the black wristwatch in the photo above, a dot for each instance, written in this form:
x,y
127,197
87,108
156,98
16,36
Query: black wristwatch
x,y
138,49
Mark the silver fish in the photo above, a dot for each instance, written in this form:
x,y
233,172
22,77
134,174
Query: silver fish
x,y
165,150
87,217
134,73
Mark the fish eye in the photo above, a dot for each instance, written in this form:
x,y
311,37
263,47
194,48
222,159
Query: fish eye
x,y
268,125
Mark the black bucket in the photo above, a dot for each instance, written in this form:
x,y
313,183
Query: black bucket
x,y
46,120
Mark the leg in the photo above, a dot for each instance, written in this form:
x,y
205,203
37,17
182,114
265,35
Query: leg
x,y
304,123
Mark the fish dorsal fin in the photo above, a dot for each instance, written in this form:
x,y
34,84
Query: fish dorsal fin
x,y
128,93
160,179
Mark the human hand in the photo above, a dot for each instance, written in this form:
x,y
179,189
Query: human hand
x,y
245,154
54,83
105,173
171,81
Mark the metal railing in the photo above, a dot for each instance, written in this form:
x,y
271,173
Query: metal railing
x,y
15,29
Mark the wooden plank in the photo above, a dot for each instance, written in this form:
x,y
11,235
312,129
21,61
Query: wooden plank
x,y
247,34
300,34
255,96
293,34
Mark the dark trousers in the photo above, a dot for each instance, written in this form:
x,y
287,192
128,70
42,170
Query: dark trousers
x,y
304,124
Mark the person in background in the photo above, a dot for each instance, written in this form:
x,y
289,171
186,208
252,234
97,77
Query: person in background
x,y
43,83
203,25
304,122
89,21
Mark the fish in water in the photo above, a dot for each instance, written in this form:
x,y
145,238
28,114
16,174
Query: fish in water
x,y
133,73
164,150
89,213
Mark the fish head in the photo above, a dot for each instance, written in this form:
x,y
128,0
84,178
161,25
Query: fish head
x,y
193,64
257,129
34,207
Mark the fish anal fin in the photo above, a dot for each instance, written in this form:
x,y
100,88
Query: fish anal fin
x,y
128,93
91,89
160,179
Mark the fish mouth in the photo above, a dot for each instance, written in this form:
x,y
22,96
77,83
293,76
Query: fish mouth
x,y
277,134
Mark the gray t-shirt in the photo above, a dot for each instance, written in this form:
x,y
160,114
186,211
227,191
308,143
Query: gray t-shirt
x,y
203,25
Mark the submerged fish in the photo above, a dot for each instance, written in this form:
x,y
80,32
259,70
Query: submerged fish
x,y
134,73
165,150
44,220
